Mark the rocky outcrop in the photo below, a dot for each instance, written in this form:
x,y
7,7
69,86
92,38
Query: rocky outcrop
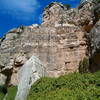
x,y
83,1
59,48
56,14
60,42
94,47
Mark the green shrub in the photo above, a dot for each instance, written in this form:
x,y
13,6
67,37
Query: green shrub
x,y
3,92
11,93
3,89
84,65
68,87
2,96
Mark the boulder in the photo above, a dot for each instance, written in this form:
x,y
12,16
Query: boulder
x,y
29,73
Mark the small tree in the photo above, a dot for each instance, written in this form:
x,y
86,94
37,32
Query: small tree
x,y
84,66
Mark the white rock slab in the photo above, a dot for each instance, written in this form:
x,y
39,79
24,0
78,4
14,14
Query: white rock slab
x,y
30,72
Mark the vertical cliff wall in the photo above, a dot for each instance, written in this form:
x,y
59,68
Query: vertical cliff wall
x,y
59,42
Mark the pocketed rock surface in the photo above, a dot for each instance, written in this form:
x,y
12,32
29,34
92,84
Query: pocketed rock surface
x,y
60,42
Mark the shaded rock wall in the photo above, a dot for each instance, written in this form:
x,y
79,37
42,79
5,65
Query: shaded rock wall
x,y
94,47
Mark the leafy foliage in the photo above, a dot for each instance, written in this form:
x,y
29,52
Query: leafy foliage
x,y
3,91
74,86
1,96
11,93
68,87
84,65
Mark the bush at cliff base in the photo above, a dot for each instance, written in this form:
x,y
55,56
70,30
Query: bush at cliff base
x,y
10,95
2,96
68,87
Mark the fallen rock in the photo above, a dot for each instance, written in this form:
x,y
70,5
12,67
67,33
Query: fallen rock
x,y
30,72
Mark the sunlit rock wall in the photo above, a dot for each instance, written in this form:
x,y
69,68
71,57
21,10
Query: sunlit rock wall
x,y
59,42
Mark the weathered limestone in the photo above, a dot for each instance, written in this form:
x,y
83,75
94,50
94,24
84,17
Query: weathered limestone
x,y
59,42
60,48
2,79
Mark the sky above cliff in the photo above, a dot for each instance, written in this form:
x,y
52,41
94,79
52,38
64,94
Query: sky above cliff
x,y
14,13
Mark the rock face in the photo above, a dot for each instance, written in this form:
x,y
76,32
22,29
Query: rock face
x,y
57,15
82,1
2,79
94,38
59,42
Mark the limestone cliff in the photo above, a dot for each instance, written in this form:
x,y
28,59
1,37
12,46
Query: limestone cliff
x,y
60,42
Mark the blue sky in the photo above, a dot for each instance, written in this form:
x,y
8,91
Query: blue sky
x,y
14,13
